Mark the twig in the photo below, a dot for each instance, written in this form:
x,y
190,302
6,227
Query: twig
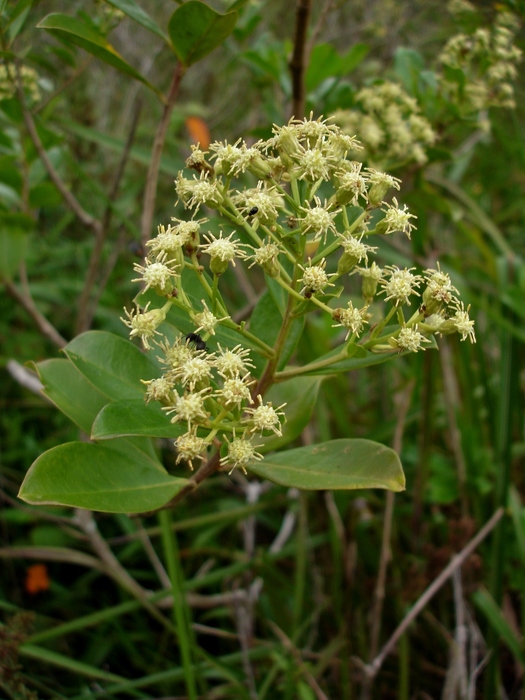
x,y
44,326
85,313
26,378
150,192
288,644
73,203
327,7
207,469
86,521
461,634
403,402
297,63
456,562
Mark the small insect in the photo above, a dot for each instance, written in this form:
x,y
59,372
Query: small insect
x,y
196,340
253,211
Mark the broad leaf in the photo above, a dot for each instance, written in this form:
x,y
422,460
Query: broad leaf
x,y
300,396
337,464
97,477
135,417
131,9
74,31
112,364
196,30
70,392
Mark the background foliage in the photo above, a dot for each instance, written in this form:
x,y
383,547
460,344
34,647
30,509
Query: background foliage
x,y
284,590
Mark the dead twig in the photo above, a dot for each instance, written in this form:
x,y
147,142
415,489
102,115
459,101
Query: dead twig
x,y
456,562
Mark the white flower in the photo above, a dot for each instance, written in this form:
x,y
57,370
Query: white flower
x,y
400,284
350,318
144,324
234,391
314,278
265,417
463,324
224,249
157,275
189,407
353,182
194,370
396,219
409,339
207,321
189,447
240,453
318,219
160,389
234,362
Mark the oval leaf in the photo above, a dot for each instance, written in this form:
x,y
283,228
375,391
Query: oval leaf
x,y
95,477
131,9
196,30
134,417
112,364
70,392
74,31
300,396
337,464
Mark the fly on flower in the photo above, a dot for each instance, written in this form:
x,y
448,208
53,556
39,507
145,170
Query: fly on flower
x,y
196,339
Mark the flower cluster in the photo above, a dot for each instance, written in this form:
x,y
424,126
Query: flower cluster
x,y
479,67
389,123
299,209
28,79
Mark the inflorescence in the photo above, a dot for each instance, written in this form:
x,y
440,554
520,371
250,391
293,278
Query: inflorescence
x,y
307,221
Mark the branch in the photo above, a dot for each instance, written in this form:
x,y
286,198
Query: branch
x,y
207,469
150,192
455,563
298,61
403,404
72,202
85,312
43,325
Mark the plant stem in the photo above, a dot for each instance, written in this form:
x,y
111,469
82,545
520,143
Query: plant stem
x,y
180,610
299,58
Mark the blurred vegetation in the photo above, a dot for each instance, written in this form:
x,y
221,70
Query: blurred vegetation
x,y
282,587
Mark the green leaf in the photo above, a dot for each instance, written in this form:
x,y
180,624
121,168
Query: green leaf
x,y
300,396
13,246
486,603
70,392
74,31
324,63
112,364
134,417
131,9
98,477
354,57
336,464
196,30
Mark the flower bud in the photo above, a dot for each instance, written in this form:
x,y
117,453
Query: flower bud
x,y
346,262
218,266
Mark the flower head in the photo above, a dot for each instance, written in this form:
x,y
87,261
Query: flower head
x,y
319,219
189,447
265,417
240,453
314,278
409,339
234,362
400,284
396,219
144,324
352,319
